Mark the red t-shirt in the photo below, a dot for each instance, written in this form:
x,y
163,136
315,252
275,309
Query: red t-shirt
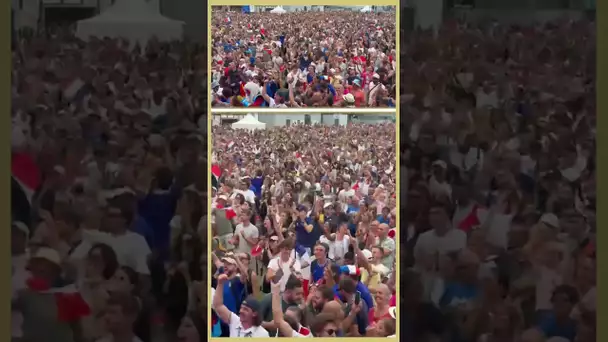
x,y
359,98
372,316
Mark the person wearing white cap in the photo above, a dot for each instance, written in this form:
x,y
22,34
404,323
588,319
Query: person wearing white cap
x,y
373,271
52,309
349,100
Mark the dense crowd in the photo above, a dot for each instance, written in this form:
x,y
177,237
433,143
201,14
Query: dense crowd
x,y
303,221
109,190
303,59
498,187
497,169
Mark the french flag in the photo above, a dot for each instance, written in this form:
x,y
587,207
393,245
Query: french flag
x,y
230,213
227,20
470,221
216,171
26,173
71,307
263,32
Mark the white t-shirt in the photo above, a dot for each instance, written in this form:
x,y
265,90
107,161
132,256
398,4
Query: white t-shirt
x,y
248,194
430,243
250,231
337,249
274,265
273,104
131,248
237,330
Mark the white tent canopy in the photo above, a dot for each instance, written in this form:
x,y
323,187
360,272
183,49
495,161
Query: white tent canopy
x,y
249,122
278,9
366,9
135,20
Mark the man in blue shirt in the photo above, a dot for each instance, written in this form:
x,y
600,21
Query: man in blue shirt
x,y
234,289
317,267
557,323
307,232
385,217
353,273
346,292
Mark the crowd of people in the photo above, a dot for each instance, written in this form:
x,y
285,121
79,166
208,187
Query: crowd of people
x,y
498,183
303,222
498,188
109,190
303,59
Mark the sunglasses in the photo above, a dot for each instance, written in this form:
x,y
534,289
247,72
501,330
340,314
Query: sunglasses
x,y
330,332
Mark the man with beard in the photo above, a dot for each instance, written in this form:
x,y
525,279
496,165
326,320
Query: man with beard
x,y
288,322
291,296
247,323
317,300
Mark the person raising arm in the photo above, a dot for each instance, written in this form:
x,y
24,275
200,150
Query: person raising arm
x,y
285,328
247,323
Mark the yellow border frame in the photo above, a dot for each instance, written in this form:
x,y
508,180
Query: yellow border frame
x,y
397,236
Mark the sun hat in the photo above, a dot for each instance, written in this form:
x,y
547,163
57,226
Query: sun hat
x,y
349,98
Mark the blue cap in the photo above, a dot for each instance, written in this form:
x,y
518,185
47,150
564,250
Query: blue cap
x,y
344,270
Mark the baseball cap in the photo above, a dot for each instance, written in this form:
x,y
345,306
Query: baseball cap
x,y
48,254
252,303
367,253
229,260
550,219
440,163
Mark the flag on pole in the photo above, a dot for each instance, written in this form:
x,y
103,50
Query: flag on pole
x,y
263,32
217,173
26,173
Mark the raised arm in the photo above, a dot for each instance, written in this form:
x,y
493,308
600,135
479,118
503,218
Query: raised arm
x,y
221,310
277,312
